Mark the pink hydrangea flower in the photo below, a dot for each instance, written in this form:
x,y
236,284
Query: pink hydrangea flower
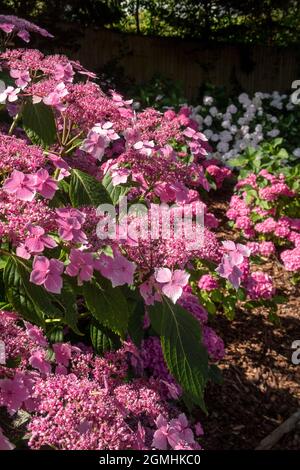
x,y
64,72
69,223
230,268
37,361
56,97
21,185
98,139
291,259
13,393
175,434
207,282
260,286
173,282
22,77
45,184
47,273
61,165
63,353
118,269
36,334
267,248
231,247
81,265
10,94
35,242
148,291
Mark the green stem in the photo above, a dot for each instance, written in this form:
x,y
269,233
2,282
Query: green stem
x,y
14,123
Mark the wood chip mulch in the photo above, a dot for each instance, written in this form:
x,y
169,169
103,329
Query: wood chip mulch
x,y
261,385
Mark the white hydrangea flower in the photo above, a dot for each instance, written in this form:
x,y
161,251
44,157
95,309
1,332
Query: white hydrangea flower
x,y
208,100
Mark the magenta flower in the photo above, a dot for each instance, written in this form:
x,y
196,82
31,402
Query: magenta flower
x,y
45,184
173,283
21,185
22,77
229,268
123,271
81,265
208,283
35,243
119,270
98,139
7,27
69,225
64,73
231,247
63,353
47,273
55,98
13,393
36,334
10,94
23,34
60,164
176,434
37,361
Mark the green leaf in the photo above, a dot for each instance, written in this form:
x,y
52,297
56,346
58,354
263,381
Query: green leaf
x,y
16,280
33,302
102,338
135,324
39,124
107,304
115,192
229,307
56,334
241,294
182,347
240,161
216,296
67,299
86,190
279,299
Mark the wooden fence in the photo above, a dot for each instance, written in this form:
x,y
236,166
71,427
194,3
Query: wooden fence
x,y
254,68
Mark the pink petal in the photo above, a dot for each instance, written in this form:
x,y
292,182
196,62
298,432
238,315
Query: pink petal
x,y
163,275
173,291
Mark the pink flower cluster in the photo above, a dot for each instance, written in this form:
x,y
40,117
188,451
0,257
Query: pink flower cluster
x,y
16,154
78,401
258,209
208,282
11,24
259,286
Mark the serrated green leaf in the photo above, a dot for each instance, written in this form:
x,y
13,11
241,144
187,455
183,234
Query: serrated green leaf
x,y
16,280
102,338
86,190
33,302
39,124
108,305
182,347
